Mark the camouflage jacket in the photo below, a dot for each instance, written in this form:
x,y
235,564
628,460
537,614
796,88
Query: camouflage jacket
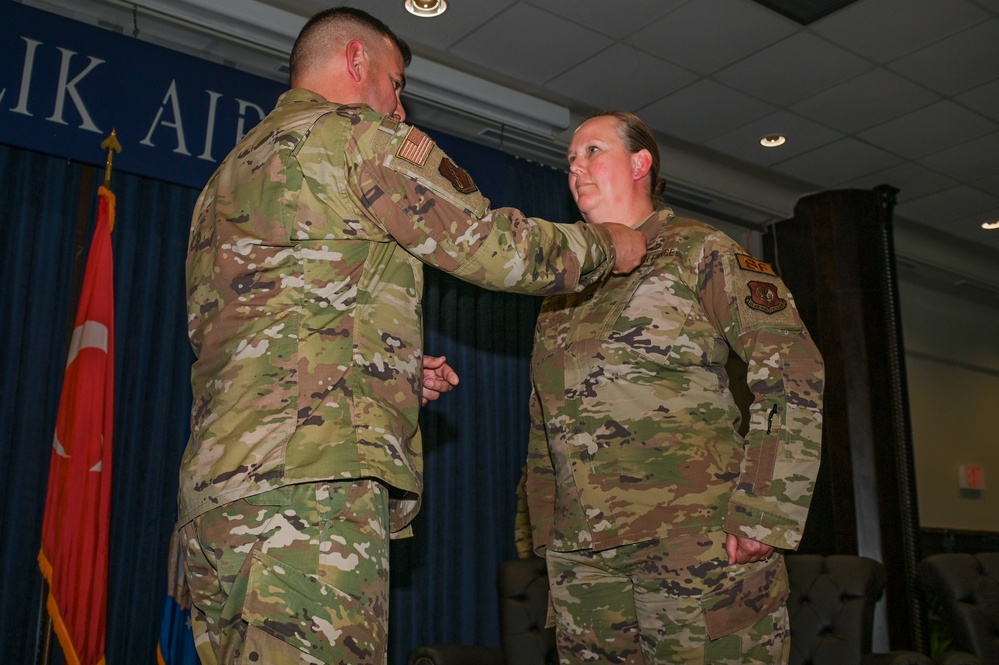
x,y
634,429
304,282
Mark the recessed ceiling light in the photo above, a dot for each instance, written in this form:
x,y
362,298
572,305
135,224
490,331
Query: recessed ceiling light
x,y
426,8
991,225
772,140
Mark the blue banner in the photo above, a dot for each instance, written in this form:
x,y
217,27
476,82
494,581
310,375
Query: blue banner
x,y
64,85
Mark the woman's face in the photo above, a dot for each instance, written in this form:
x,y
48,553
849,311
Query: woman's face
x,y
600,170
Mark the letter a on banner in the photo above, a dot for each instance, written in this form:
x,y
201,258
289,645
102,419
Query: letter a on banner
x,y
76,527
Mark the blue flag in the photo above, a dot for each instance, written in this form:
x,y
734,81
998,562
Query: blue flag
x,y
176,643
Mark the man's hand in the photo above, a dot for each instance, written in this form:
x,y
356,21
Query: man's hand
x,y
745,550
438,377
629,247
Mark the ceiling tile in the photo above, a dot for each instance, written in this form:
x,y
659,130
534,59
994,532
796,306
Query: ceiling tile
x,y
971,160
960,62
989,185
616,68
984,99
608,17
944,207
732,28
912,181
865,101
928,130
520,42
793,69
807,11
837,162
802,135
883,30
437,33
703,110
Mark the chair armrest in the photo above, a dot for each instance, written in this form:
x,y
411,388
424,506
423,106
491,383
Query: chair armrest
x,y
455,654
958,658
897,658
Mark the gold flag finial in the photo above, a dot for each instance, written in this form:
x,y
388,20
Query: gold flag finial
x,y
112,146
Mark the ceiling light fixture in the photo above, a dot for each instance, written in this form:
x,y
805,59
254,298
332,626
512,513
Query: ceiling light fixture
x,y
426,8
991,225
772,141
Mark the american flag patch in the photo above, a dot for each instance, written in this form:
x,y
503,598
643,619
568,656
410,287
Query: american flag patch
x,y
416,148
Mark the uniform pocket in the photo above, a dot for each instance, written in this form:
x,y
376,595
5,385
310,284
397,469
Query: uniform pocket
x,y
746,601
310,615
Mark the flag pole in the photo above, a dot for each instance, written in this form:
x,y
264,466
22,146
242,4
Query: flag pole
x,y
47,632
112,146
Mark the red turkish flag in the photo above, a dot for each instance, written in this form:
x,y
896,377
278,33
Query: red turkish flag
x,y
75,531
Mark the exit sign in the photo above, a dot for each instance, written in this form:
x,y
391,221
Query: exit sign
x,y
970,477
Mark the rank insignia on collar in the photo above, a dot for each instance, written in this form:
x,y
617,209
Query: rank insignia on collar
x,y
763,297
457,176
749,263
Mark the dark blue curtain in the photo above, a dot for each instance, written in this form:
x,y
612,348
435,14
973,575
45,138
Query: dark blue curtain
x,y
37,246
475,438
49,212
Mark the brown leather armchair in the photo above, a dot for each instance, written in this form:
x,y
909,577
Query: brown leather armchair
x,y
967,586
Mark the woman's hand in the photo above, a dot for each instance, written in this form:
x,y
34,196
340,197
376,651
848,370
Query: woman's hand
x,y
746,550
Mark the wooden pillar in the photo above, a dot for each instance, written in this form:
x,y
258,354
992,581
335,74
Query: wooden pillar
x,y
837,257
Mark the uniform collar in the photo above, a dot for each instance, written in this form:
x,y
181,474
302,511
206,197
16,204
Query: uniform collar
x,y
654,224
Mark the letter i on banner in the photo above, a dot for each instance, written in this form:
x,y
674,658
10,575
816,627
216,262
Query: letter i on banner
x,y
76,526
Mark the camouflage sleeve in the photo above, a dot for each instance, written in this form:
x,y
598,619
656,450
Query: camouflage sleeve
x,y
522,520
756,313
433,209
540,486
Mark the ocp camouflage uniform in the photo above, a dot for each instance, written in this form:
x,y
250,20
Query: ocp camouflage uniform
x,y
636,470
304,278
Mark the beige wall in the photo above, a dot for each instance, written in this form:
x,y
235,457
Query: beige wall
x,y
952,365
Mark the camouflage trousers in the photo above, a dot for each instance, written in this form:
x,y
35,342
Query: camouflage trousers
x,y
668,601
295,575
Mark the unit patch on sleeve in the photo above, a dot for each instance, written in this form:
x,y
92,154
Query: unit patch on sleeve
x,y
416,148
457,176
763,297
749,263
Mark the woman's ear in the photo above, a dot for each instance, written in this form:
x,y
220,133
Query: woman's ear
x,y
641,162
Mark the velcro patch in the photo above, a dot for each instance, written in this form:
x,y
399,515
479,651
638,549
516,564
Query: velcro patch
x,y
457,176
763,297
388,124
416,148
749,263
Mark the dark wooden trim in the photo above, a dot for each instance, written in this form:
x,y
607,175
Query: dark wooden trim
x,y
837,257
939,541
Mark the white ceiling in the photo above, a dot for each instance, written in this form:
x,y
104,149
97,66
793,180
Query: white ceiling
x,y
897,92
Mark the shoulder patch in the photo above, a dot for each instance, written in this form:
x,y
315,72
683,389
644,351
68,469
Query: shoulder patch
x,y
754,265
416,147
764,297
389,124
457,176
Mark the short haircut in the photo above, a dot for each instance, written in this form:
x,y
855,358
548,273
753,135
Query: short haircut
x,y
331,28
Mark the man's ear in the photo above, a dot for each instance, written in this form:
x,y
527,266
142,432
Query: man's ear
x,y
641,162
356,59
